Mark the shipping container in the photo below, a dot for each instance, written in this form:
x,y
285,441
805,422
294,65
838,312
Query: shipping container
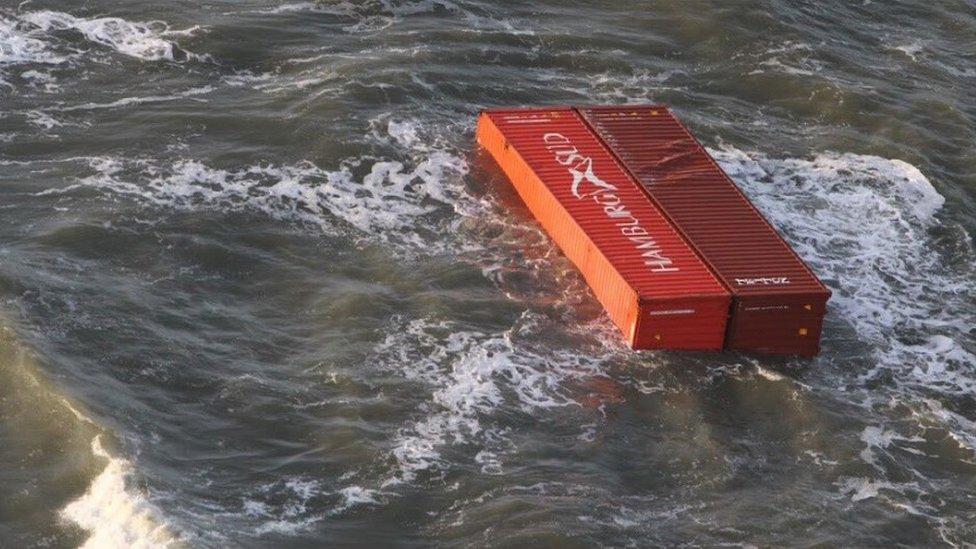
x,y
778,303
652,284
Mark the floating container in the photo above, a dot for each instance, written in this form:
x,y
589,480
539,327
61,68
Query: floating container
x,y
778,303
653,285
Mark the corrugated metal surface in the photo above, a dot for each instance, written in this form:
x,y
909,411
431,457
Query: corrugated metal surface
x,y
652,284
779,303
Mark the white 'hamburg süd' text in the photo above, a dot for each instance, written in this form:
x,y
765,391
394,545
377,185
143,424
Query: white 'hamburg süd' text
x,y
605,194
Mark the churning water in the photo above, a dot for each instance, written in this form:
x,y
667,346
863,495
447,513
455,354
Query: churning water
x,y
258,287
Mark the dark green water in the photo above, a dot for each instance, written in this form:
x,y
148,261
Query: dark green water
x,y
259,288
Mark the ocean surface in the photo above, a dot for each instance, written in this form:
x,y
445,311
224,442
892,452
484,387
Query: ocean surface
x,y
259,288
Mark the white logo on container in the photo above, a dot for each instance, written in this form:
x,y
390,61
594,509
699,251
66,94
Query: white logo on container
x,y
605,194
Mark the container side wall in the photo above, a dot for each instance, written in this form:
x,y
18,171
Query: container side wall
x,y
716,218
627,251
785,324
617,297
683,323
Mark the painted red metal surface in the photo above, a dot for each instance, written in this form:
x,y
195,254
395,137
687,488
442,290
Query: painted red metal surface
x,y
778,303
653,285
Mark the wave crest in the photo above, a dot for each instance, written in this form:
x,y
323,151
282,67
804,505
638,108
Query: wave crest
x,y
115,514
141,40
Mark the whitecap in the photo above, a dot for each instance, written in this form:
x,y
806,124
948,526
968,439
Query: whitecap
x,y
21,45
860,489
116,514
333,8
356,496
42,120
141,40
41,80
282,506
911,49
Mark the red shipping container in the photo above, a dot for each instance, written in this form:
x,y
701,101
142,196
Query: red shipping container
x,y
652,284
778,303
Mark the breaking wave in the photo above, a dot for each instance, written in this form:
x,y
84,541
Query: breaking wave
x,y
148,41
115,513
19,44
34,48
291,505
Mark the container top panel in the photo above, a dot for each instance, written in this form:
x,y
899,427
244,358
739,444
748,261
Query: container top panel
x,y
620,220
743,249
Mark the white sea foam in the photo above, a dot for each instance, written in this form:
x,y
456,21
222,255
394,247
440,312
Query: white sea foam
x,y
878,439
384,200
356,496
614,86
333,8
115,513
288,506
41,80
789,57
31,39
864,222
405,132
142,40
378,15
190,94
282,507
860,489
24,45
911,49
361,17
472,375
279,82
776,65
42,120
370,23
960,428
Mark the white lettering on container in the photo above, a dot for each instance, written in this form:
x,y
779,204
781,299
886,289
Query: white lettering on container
x,y
588,186
775,281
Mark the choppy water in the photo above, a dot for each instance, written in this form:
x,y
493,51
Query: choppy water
x,y
258,287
